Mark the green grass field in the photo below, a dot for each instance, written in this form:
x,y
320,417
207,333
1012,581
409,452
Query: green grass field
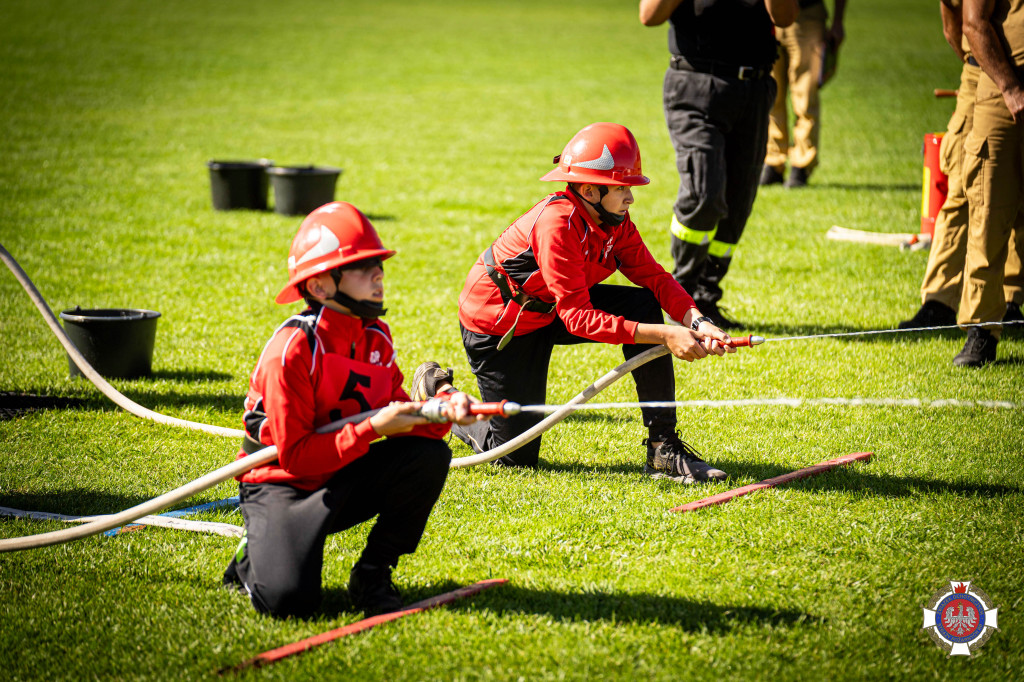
x,y
443,116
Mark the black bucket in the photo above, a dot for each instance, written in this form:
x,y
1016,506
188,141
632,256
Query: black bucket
x,y
239,184
117,342
300,189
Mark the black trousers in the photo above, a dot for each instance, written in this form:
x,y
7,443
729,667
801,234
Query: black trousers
x,y
519,372
398,481
719,129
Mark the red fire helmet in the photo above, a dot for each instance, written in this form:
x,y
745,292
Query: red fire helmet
x,y
334,234
603,154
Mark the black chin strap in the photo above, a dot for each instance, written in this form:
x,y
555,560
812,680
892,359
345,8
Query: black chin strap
x,y
370,310
608,219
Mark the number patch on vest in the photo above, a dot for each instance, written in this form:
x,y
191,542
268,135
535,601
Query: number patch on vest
x,y
350,386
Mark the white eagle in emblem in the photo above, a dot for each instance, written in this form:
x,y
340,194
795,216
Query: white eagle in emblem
x,y
960,622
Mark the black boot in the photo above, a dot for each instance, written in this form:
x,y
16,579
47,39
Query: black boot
x,y
677,461
709,291
372,591
798,177
931,314
979,350
231,581
770,175
710,308
1013,314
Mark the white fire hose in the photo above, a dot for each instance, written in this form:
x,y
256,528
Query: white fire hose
x,y
120,399
103,523
244,464
563,412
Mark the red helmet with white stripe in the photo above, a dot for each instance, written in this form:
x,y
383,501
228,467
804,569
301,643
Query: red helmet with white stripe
x,y
334,234
602,154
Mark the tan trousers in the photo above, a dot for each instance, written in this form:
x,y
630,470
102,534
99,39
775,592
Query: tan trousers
x,y
994,181
796,71
943,276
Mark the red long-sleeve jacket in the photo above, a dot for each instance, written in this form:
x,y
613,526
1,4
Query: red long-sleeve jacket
x,y
555,252
317,368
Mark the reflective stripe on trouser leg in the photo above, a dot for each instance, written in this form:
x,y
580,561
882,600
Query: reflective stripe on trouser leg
x,y
690,235
242,544
721,249
690,253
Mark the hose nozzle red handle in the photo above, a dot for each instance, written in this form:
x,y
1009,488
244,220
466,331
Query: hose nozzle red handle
x,y
745,341
436,410
503,408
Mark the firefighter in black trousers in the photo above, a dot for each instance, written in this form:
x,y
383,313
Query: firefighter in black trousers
x,y
718,94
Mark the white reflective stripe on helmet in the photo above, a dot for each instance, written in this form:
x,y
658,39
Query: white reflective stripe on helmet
x,y
604,162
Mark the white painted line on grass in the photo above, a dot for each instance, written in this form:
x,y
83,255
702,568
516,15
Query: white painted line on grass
x,y
853,402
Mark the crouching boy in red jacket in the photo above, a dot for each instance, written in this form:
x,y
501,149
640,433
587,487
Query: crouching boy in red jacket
x,y
334,360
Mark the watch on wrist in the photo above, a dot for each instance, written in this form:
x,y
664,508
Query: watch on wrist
x,y
696,323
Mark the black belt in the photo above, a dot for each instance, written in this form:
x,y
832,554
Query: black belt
x,y
500,279
720,69
972,61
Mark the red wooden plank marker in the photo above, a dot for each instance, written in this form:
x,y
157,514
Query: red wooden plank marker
x,y
303,645
722,498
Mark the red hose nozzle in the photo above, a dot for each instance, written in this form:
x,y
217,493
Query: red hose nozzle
x,y
504,408
746,341
436,410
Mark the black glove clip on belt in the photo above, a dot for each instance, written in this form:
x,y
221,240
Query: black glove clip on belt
x,y
525,301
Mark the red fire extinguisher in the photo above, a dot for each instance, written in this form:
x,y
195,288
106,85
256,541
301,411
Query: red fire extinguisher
x,y
935,185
